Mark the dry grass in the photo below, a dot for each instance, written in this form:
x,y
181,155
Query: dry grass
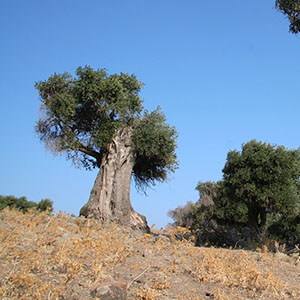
x,y
40,254
62,257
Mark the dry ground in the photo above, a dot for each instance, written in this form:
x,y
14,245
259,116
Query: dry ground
x,y
62,257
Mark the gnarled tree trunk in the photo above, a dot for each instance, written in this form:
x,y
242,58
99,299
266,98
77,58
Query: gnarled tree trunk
x,y
110,197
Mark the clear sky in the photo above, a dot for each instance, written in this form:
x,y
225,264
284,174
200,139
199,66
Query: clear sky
x,y
224,72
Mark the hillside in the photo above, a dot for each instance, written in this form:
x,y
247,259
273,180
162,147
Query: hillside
x,y
62,257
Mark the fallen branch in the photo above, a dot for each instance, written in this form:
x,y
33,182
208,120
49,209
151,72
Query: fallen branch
x,y
134,279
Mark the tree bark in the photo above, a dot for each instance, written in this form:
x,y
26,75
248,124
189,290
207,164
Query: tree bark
x,y
110,197
257,218
253,218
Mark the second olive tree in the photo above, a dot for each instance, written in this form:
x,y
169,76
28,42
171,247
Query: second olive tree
x,y
265,178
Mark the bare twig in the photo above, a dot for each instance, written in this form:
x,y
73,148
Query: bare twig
x,y
134,279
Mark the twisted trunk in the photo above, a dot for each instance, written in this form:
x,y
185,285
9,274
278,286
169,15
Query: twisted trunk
x,y
110,197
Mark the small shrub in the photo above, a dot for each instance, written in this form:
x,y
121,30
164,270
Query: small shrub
x,y
45,204
24,205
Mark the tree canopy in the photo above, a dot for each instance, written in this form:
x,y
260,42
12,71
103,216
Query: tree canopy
x,y
81,115
154,144
258,196
290,8
265,178
23,204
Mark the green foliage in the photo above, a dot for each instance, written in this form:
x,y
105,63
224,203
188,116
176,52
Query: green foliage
x,y
45,204
18,203
154,144
205,208
209,192
291,8
211,206
265,178
259,194
285,229
214,205
23,204
82,114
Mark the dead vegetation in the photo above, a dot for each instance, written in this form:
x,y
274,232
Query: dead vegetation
x,y
46,256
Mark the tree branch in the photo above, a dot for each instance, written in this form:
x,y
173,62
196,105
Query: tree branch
x,y
89,151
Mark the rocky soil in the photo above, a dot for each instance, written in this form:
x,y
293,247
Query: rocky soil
x,y
62,257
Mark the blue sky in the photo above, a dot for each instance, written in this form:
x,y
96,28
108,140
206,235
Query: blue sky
x,y
224,72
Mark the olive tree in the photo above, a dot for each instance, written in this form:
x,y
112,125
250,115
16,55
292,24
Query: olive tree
x,y
265,178
98,121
